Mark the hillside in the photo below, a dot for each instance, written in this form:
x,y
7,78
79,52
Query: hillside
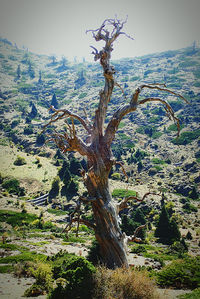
x,y
28,82
154,159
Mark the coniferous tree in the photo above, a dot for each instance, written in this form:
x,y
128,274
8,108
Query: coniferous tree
x,y
54,101
138,216
167,230
75,166
175,234
55,187
18,72
31,71
67,177
40,139
194,194
33,112
73,187
63,169
163,227
40,77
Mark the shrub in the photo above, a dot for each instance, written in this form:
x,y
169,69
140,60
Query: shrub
x,y
187,137
82,95
40,139
158,161
183,273
13,186
193,193
34,291
78,273
94,255
73,187
188,207
19,161
193,295
138,249
123,283
43,275
123,192
16,218
116,176
28,130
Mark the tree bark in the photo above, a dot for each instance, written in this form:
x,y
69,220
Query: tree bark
x,y
98,150
107,232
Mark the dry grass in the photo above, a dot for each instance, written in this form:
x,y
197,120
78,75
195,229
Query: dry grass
x,y
123,283
30,175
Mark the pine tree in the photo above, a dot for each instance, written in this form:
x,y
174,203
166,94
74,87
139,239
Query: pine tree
x,y
75,166
73,187
175,234
40,77
18,72
67,177
163,227
31,71
62,170
138,216
55,187
54,101
33,112
167,229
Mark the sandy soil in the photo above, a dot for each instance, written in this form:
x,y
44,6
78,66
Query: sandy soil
x,y
13,288
171,294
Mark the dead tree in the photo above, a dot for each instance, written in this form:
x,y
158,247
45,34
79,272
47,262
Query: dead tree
x,y
97,148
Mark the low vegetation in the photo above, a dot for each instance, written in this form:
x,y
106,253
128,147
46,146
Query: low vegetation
x,y
122,283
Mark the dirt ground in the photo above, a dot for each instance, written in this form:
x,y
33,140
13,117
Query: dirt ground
x,y
13,288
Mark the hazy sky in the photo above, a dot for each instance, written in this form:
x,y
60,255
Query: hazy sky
x,y
58,26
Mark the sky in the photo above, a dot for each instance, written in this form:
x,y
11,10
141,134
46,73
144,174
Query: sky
x,y
57,27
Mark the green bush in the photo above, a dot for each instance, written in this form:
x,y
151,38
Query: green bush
x,y
158,161
116,176
78,274
94,255
16,218
35,290
40,139
19,161
138,249
186,137
82,95
193,295
183,273
28,130
188,207
13,186
173,127
123,193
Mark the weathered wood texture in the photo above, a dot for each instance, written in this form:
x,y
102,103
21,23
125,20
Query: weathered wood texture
x,y
98,149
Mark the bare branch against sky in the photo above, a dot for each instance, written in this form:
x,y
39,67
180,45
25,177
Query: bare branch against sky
x,y
58,26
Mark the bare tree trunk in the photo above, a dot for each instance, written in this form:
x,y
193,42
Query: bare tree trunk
x,y
107,232
98,150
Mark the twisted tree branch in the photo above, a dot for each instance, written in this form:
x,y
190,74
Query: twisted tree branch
x,y
124,203
66,113
134,237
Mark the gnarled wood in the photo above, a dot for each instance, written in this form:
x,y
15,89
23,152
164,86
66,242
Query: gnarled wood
x,y
98,149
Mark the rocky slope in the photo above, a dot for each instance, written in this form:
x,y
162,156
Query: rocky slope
x,y
28,82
